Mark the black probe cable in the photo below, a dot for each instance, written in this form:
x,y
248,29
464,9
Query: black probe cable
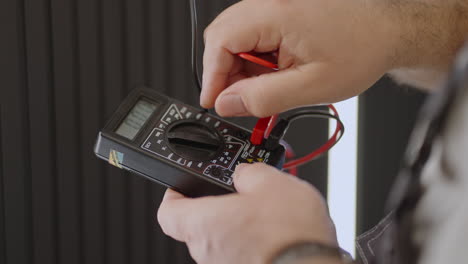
x,y
282,126
194,19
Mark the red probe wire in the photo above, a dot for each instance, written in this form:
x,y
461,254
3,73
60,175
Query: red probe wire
x,y
265,125
259,61
324,148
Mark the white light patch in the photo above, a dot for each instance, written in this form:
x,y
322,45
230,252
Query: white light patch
x,y
342,175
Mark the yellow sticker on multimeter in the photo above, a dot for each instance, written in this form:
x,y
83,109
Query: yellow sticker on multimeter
x,y
116,158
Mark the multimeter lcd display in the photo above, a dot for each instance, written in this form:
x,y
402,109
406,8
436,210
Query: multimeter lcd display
x,y
136,119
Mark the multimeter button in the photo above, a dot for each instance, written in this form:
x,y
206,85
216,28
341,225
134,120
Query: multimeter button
x,y
228,173
227,180
216,171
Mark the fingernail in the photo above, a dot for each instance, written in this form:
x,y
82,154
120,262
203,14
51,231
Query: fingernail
x,y
233,104
202,98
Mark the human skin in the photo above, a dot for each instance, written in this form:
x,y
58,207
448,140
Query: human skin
x,y
268,201
327,50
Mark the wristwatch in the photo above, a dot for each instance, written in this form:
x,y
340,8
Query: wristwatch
x,y
307,250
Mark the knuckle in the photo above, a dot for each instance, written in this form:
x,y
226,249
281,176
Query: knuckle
x,y
207,33
216,37
162,218
188,237
214,33
160,214
216,29
168,224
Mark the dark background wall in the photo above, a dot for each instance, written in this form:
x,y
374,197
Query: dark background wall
x,y
65,65
387,113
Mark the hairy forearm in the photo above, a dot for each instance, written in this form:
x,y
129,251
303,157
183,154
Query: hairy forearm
x,y
432,31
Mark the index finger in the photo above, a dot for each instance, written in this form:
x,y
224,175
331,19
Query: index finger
x,y
181,217
225,38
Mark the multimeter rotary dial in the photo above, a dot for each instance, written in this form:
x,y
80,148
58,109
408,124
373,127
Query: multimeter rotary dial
x,y
194,140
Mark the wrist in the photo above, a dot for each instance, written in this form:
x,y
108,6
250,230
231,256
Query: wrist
x,y
311,253
317,260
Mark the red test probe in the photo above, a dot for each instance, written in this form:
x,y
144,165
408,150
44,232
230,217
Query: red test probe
x,y
265,125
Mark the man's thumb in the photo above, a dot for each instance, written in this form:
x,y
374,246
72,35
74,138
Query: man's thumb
x,y
273,93
253,177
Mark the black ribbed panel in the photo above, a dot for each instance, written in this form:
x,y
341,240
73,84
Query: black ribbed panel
x,y
387,114
42,130
2,203
16,164
65,65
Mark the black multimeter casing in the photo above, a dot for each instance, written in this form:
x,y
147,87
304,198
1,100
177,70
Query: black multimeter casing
x,y
147,146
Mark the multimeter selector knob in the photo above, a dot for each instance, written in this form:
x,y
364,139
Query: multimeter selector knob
x,y
194,141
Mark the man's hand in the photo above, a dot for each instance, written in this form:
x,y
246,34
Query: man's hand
x,y
327,50
270,211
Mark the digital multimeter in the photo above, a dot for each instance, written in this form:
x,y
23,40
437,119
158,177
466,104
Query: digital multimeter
x,y
179,146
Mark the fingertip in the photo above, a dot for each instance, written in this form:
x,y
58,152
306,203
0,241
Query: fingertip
x,y
251,177
241,167
205,96
218,65
238,171
204,102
